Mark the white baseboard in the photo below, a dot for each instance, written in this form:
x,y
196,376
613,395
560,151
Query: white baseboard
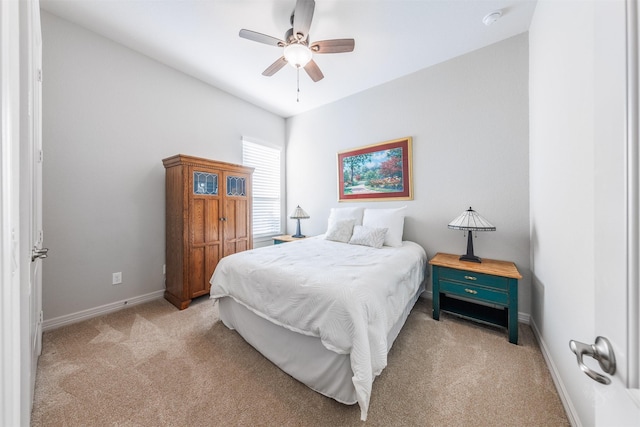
x,y
99,311
555,375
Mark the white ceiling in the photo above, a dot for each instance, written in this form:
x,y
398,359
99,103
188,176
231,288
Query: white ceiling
x,y
393,38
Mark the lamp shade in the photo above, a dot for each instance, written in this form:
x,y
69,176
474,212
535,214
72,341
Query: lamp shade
x,y
471,220
299,213
297,55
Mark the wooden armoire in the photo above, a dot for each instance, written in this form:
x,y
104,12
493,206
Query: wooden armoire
x,y
208,216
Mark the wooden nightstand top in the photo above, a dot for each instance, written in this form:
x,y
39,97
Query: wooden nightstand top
x,y
287,238
487,266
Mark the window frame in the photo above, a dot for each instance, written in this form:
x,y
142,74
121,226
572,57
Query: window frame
x,y
264,238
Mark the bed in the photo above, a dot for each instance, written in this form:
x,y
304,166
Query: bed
x,y
326,310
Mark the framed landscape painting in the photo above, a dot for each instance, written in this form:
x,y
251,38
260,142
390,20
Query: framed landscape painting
x,y
376,172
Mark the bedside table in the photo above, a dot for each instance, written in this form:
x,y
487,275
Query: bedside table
x,y
286,238
459,287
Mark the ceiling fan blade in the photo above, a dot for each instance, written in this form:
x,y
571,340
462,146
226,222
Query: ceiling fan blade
x,y
314,71
302,16
333,46
261,38
275,67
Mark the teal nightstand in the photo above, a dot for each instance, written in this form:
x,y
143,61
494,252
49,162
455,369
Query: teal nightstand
x,y
285,238
486,292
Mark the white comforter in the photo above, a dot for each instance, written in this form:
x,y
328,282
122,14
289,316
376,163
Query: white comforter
x,y
347,295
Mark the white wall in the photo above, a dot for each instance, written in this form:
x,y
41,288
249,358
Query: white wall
x,y
562,184
110,116
561,74
468,118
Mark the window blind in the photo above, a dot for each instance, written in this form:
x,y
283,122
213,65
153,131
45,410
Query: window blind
x,y
267,179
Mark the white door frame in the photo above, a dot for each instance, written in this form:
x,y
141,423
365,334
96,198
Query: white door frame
x,y
19,135
10,287
633,198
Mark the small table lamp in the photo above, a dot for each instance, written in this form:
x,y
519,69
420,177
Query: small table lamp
x,y
470,221
299,214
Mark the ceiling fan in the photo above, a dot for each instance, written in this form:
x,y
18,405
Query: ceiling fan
x,y
298,50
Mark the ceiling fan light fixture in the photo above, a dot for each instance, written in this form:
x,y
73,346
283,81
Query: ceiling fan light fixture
x,y
297,55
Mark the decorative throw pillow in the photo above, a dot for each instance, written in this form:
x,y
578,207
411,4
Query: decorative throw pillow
x,y
368,236
340,231
338,214
392,219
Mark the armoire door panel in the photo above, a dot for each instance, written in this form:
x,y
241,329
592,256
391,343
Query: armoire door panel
x,y
240,220
212,222
197,268
242,245
229,247
197,220
229,224
212,256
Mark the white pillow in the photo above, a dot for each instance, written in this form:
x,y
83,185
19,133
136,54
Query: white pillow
x,y
340,231
368,236
338,214
392,219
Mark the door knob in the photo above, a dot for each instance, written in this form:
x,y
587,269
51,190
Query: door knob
x,y
602,352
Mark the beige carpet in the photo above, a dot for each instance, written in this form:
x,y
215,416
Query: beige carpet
x,y
152,365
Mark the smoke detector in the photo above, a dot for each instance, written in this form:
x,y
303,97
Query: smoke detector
x,y
492,17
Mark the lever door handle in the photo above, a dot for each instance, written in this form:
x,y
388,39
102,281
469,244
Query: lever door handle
x,y
602,352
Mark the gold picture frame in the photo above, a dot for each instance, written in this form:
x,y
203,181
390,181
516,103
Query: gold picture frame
x,y
376,172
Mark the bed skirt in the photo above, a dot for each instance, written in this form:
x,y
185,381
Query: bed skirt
x,y
302,356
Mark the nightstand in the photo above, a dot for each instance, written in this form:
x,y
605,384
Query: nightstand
x,y
486,292
286,238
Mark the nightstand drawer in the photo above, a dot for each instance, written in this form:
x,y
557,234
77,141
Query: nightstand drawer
x,y
473,278
474,292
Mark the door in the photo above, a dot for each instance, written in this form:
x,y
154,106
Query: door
x,y
31,194
37,157
205,223
30,200
616,210
237,212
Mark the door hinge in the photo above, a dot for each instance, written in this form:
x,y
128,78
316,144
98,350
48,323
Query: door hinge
x,y
41,318
40,156
40,75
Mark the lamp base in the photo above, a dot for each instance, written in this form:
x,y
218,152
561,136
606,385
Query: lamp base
x,y
298,234
470,258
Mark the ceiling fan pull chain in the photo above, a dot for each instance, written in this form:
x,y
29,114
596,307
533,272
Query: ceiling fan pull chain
x,y
298,93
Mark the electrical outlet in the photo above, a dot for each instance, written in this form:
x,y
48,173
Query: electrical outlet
x,y
117,278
